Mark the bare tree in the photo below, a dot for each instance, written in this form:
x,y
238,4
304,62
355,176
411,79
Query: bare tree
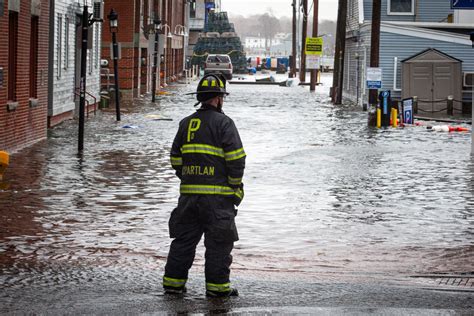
x,y
269,26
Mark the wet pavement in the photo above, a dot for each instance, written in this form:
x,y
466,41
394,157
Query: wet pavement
x,y
338,218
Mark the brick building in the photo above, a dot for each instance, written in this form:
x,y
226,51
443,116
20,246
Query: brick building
x,y
23,72
135,65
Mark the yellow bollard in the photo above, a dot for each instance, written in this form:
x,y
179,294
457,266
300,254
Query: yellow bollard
x,y
379,118
394,117
4,162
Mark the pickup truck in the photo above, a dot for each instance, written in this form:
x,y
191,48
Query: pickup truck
x,y
219,63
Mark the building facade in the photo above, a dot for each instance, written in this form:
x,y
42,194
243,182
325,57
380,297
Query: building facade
x,y
137,39
65,60
24,32
425,33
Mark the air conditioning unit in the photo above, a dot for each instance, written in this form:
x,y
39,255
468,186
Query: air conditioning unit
x,y
468,79
98,12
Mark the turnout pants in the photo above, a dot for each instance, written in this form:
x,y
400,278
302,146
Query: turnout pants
x,y
213,216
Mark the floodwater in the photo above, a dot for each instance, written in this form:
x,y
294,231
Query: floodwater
x,y
323,193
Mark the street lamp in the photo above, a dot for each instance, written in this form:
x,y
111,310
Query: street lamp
x,y
157,28
166,26
113,23
184,34
86,22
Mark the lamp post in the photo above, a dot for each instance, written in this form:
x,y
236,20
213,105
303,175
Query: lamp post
x,y
184,34
85,24
113,23
157,28
166,26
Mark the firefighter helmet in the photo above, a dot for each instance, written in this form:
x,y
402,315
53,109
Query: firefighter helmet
x,y
211,83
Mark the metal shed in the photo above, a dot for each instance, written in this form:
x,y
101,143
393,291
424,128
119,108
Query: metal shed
x,y
432,76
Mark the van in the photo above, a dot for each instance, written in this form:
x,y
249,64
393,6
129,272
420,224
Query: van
x,y
219,63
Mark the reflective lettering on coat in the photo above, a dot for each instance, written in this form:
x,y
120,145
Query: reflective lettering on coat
x,y
198,170
193,127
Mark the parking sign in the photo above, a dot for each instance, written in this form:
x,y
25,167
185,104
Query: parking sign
x,y
408,111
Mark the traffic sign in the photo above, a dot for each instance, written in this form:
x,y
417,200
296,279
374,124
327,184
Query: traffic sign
x,y
314,46
374,78
462,4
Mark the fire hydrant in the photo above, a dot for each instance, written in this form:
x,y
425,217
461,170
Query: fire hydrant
x,y
4,162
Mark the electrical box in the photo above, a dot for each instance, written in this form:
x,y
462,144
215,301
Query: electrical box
x,y
1,77
98,10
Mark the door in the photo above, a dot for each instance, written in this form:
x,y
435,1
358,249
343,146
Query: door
x,y
421,84
442,84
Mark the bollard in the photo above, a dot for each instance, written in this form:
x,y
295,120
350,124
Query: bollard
x,y
415,105
394,117
4,162
450,105
379,118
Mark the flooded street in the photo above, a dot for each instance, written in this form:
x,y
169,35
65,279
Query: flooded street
x,y
324,195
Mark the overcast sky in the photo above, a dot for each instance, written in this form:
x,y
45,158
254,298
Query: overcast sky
x,y
327,8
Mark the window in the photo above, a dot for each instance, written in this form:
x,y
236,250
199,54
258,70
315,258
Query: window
x,y
34,56
193,9
401,7
97,45
12,54
66,42
59,45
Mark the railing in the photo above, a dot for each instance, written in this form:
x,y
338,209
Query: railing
x,y
77,93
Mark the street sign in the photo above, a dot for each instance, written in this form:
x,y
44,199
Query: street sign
x,y
374,78
408,111
312,62
462,4
314,46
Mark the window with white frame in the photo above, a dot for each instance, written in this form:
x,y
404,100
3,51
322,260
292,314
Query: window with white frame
x,y
97,46
66,43
59,45
401,7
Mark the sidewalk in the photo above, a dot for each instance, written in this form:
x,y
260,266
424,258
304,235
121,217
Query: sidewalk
x,y
73,292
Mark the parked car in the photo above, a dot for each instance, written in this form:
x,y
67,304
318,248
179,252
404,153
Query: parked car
x,y
219,63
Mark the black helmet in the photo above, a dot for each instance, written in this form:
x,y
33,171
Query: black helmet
x,y
211,84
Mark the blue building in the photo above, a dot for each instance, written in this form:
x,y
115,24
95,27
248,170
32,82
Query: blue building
x,y
425,51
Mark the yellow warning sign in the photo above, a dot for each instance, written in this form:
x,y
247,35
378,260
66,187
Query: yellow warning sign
x,y
314,46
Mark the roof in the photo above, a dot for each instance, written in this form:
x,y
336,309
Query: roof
x,y
431,50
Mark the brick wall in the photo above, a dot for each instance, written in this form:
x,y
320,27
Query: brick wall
x,y
25,125
135,65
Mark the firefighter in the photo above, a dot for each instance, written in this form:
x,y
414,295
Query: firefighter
x,y
209,159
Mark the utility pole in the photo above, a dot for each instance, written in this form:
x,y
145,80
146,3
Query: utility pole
x,y
374,57
293,52
304,32
338,77
314,72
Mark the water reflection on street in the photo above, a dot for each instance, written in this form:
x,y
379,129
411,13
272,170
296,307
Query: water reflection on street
x,y
324,193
